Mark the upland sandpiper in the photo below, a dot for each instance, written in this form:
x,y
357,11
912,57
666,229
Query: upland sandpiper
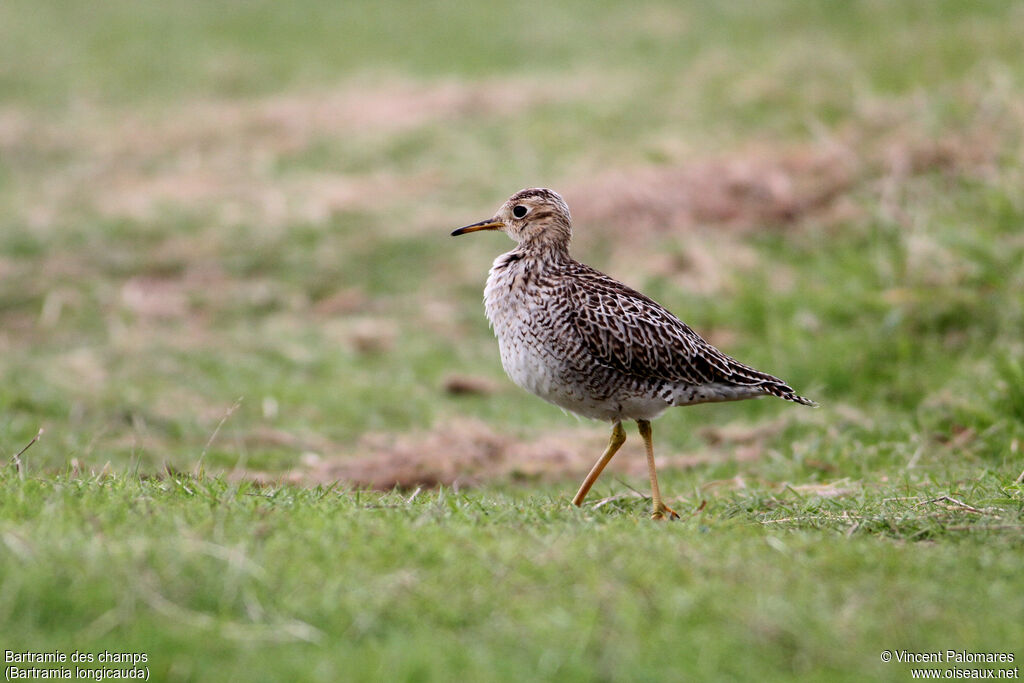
x,y
590,344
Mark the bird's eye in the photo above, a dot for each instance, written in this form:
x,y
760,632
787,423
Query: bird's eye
x,y
519,211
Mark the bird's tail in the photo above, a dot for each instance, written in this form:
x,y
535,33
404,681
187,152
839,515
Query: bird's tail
x,y
770,384
784,391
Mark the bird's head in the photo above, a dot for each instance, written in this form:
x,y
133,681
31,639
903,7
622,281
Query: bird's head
x,y
535,216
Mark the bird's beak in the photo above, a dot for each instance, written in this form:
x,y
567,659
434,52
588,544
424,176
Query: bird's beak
x,y
489,224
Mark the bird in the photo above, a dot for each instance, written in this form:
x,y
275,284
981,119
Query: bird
x,y
584,341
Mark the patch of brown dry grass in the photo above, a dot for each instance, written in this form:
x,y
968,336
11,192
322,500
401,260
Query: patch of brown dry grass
x,y
222,157
768,186
469,453
753,190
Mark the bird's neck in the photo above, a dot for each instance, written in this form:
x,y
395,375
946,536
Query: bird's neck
x,y
543,251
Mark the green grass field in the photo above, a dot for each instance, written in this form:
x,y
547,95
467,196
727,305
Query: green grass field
x,y
229,298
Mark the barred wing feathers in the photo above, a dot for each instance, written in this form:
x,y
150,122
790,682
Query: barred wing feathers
x,y
633,334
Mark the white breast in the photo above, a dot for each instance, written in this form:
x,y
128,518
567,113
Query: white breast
x,y
527,327
510,311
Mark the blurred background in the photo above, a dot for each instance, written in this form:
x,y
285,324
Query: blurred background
x,y
224,227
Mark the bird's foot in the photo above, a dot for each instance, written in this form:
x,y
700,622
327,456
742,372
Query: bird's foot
x,y
662,512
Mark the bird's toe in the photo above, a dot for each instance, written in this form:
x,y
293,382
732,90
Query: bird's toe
x,y
663,512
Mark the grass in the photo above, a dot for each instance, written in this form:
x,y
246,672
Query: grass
x,y
202,202
233,582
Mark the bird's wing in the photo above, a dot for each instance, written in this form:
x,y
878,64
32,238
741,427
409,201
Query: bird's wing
x,y
633,334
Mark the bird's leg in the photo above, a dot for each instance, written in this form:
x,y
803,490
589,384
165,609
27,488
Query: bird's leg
x,y
660,509
618,438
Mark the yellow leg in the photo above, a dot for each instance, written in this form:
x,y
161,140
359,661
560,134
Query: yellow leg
x,y
617,439
660,509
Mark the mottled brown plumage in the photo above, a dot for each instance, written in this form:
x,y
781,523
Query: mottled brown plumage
x,y
590,344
